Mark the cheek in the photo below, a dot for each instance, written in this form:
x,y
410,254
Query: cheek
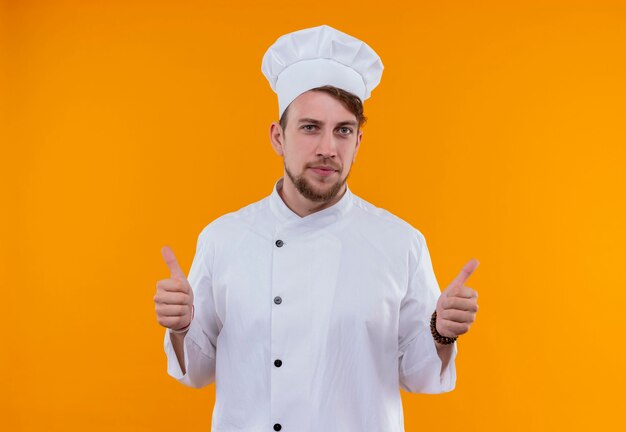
x,y
302,154
295,160
348,158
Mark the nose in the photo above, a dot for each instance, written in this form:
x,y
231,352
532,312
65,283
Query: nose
x,y
326,146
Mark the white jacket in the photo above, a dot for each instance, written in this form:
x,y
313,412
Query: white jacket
x,y
310,324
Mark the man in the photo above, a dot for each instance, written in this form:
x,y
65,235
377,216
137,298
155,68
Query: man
x,y
311,308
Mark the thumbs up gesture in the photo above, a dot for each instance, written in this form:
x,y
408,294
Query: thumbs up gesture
x,y
457,307
174,296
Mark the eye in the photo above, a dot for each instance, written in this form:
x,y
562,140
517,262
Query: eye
x,y
308,127
345,130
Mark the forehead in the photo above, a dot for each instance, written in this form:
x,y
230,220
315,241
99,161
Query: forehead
x,y
320,106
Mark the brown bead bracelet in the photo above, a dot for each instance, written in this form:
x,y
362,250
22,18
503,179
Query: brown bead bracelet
x,y
439,338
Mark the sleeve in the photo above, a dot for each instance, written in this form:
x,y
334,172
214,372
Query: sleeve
x,y
418,362
200,342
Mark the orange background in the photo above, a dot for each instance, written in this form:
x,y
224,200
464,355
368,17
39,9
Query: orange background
x,y
498,130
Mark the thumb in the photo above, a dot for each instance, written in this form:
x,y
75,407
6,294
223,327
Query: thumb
x,y
465,272
172,263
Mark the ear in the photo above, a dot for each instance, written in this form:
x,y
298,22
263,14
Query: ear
x,y
358,143
277,138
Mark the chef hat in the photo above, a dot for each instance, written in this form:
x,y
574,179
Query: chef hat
x,y
319,56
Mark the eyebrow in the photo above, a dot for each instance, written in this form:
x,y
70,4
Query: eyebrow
x,y
317,122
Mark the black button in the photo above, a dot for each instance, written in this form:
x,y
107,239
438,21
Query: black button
x,y
278,363
279,243
277,426
278,300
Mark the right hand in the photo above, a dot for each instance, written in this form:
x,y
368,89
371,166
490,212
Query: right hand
x,y
174,296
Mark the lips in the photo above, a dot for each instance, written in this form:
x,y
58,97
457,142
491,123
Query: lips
x,y
326,168
323,171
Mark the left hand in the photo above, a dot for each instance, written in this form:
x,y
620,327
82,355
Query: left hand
x,y
457,307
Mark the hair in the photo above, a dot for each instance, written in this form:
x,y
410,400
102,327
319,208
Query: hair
x,y
350,101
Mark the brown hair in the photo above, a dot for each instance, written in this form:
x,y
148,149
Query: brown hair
x,y
350,101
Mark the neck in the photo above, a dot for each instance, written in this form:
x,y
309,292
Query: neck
x,y
300,205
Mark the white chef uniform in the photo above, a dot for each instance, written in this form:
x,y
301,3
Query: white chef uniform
x,y
311,324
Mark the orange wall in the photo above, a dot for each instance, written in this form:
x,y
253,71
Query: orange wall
x,y
498,130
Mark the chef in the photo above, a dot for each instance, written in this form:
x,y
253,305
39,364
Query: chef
x,y
311,308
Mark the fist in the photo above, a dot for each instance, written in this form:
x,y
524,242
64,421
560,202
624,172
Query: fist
x,y
174,296
457,306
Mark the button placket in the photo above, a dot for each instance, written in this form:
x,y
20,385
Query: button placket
x,y
278,362
278,300
290,317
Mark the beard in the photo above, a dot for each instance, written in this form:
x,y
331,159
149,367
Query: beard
x,y
308,191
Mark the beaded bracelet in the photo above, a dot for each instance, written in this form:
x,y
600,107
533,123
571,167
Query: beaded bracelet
x,y
444,340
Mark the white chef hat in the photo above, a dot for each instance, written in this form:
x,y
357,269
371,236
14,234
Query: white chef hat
x,y
318,56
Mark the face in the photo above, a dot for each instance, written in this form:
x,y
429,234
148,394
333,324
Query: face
x,y
318,145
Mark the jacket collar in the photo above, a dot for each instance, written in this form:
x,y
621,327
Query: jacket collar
x,y
318,219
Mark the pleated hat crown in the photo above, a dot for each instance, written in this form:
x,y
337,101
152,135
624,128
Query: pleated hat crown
x,y
319,56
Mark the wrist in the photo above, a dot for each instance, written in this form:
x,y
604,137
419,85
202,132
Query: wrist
x,y
440,339
182,330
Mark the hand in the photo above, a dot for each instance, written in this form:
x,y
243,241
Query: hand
x,y
457,307
174,296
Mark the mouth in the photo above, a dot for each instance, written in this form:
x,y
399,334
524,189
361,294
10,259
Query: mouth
x,y
324,170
